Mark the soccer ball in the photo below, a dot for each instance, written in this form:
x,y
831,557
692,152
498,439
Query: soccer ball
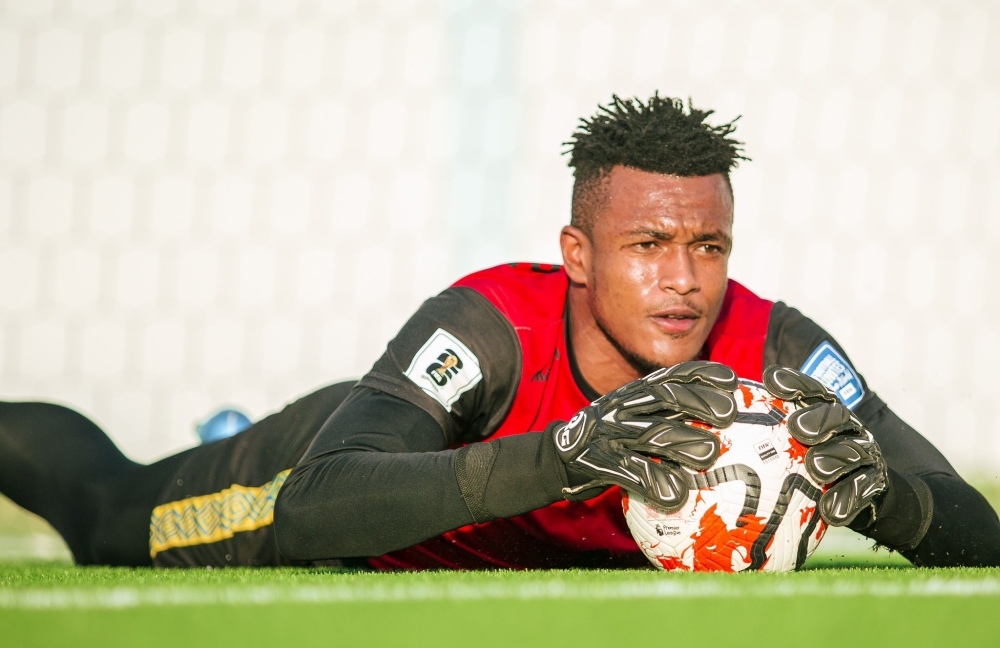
x,y
754,510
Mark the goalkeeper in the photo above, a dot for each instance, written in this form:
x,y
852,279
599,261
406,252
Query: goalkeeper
x,y
452,452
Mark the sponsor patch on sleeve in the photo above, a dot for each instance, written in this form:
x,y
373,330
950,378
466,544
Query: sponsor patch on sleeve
x,y
826,365
444,368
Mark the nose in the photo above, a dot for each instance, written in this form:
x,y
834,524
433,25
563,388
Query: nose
x,y
677,272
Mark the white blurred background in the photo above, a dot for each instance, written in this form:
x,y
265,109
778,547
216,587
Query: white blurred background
x,y
222,202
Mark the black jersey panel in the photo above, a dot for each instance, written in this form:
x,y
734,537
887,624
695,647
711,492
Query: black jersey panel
x,y
904,448
458,359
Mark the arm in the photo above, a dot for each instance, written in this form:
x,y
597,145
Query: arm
x,y
958,526
379,477
359,492
929,514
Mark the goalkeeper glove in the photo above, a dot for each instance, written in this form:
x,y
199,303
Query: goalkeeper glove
x,y
842,452
639,435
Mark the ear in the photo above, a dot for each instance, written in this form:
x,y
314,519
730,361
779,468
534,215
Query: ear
x,y
577,253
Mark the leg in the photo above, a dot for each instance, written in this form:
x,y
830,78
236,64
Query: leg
x,y
56,463
47,454
252,461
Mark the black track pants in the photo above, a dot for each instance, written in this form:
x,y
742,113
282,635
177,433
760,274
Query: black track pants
x,y
59,465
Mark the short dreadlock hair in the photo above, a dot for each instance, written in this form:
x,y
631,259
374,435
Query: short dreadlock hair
x,y
658,136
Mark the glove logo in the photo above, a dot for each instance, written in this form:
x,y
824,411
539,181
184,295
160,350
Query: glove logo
x,y
570,434
444,368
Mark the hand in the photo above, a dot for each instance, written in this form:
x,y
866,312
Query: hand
x,y
842,451
636,436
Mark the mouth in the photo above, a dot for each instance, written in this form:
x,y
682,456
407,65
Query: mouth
x,y
676,320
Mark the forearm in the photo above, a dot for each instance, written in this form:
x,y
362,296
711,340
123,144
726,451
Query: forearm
x,y
930,514
360,503
964,530
935,520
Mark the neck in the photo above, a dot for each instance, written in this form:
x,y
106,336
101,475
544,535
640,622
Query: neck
x,y
600,362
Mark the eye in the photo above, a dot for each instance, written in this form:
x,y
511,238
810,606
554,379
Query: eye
x,y
644,246
710,248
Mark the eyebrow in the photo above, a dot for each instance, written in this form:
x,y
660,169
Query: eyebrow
x,y
707,237
655,234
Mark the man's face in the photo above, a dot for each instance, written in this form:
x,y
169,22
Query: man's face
x,y
659,263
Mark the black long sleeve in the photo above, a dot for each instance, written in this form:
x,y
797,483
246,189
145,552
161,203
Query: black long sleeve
x,y
378,478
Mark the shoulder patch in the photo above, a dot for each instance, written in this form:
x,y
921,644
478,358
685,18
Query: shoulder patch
x,y
828,366
444,368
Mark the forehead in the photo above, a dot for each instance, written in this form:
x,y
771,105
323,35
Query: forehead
x,y
634,195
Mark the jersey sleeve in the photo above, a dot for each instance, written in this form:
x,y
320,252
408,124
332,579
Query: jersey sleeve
x,y
458,359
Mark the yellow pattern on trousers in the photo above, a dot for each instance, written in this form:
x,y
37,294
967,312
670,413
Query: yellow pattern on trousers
x,y
214,517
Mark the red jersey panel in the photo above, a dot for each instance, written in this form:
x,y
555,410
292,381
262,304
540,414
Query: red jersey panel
x,y
566,534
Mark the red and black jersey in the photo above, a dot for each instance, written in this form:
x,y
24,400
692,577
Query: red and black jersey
x,y
481,369
515,374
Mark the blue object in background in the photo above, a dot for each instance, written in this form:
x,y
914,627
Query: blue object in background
x,y
222,425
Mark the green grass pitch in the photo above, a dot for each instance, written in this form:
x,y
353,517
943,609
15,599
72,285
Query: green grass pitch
x,y
847,596
58,605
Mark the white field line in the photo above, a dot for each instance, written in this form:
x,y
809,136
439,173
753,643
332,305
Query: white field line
x,y
131,597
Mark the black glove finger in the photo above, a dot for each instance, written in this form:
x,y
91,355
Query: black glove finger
x,y
604,461
632,390
839,505
583,485
688,446
633,395
828,462
819,423
664,485
587,491
661,483
713,406
712,374
789,384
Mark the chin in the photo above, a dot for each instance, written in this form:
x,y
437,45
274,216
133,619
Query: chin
x,y
677,354
677,348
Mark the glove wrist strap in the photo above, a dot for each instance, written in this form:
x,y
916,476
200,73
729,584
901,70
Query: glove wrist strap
x,y
473,465
902,518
